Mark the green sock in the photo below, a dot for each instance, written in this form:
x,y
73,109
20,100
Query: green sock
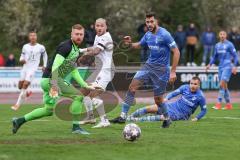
x,y
47,110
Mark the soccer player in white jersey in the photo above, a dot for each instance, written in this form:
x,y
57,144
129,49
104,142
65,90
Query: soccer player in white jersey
x,y
102,75
30,58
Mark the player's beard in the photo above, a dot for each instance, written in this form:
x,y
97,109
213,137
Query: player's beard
x,y
78,41
153,29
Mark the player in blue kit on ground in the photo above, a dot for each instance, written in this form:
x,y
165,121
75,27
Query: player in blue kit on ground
x,y
226,54
191,98
156,70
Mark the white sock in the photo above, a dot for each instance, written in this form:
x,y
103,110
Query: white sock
x,y
100,109
123,115
87,101
21,97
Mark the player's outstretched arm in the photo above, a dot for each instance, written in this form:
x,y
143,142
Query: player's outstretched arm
x,y
90,51
105,43
203,112
128,41
77,77
174,93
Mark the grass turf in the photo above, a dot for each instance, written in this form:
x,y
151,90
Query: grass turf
x,y
214,137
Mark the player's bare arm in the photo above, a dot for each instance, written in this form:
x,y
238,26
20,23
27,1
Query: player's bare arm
x,y
128,41
176,55
93,51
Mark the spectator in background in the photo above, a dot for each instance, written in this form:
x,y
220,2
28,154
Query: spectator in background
x,y
2,61
180,39
192,39
142,29
234,37
11,62
90,35
208,40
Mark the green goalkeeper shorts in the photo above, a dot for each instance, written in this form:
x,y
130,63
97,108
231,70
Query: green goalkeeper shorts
x,y
65,90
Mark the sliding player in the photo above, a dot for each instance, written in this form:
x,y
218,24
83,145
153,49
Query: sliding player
x,y
191,98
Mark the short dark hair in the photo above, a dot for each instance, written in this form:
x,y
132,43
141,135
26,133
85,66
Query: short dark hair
x,y
196,78
150,14
32,32
77,26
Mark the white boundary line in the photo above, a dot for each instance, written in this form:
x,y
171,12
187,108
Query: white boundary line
x,y
232,118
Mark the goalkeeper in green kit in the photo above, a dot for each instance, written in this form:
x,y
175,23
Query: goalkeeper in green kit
x,y
53,84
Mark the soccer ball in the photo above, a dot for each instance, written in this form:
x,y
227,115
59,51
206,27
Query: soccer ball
x,y
131,132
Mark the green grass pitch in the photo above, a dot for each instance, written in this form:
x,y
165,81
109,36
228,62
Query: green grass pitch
x,y
216,137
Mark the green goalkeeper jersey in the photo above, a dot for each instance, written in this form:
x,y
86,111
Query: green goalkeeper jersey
x,y
70,52
64,63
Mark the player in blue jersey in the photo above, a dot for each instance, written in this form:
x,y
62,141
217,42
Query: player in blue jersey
x,y
191,98
156,70
225,53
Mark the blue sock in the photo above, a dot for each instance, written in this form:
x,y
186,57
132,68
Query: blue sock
x,y
128,101
125,108
139,112
221,94
163,109
227,96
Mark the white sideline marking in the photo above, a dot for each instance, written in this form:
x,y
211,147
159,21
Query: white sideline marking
x,y
234,118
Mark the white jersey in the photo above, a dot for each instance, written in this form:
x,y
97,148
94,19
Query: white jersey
x,y
32,54
104,58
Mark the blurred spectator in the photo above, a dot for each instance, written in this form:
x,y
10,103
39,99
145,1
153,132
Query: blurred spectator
x,y
208,40
11,62
144,53
90,35
234,37
2,61
180,39
192,39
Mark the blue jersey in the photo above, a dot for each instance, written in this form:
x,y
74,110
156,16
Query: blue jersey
x,y
186,105
160,45
225,53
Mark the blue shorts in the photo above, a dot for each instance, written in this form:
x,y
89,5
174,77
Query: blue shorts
x,y
224,74
174,112
156,77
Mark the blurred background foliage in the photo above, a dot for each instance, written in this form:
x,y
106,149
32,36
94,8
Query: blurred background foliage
x,y
52,19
